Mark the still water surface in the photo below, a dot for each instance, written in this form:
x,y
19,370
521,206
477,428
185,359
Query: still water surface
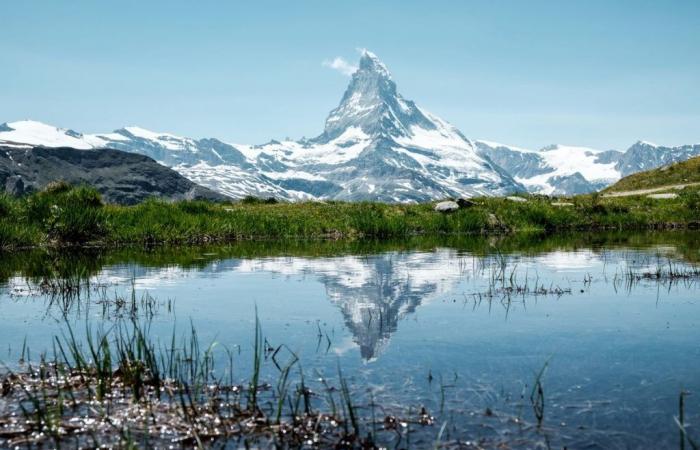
x,y
461,327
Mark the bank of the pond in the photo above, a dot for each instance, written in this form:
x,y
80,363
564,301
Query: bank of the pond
x,y
68,216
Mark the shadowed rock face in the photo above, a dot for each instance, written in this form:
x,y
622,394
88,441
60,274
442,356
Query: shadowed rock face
x,y
573,185
121,177
646,156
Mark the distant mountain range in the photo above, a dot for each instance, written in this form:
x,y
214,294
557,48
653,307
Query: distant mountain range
x,y
567,170
376,145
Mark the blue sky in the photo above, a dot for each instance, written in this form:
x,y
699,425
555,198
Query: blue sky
x,y
528,73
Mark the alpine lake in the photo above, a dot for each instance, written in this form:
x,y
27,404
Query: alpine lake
x,y
523,341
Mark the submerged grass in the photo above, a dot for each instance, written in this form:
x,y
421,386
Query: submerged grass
x,y
119,388
65,215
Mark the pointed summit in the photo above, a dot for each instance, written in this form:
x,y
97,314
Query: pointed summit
x,y
369,62
372,103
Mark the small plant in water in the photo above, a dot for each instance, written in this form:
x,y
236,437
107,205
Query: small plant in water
x,y
537,395
680,421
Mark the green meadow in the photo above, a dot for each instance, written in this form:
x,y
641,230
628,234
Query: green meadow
x,y
63,215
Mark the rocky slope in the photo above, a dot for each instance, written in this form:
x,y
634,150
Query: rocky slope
x,y
672,176
121,177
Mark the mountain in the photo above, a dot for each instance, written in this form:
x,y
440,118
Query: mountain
x,y
375,145
667,178
645,156
557,169
567,170
121,177
206,161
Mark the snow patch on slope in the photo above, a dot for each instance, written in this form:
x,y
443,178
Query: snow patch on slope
x,y
568,160
30,132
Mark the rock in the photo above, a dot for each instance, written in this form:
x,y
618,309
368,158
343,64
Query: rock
x,y
447,207
465,203
493,221
14,186
663,196
562,204
513,198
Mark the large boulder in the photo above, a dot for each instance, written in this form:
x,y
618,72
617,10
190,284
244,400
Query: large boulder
x,y
14,186
446,207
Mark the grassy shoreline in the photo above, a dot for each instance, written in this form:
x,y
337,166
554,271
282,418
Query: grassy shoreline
x,y
68,216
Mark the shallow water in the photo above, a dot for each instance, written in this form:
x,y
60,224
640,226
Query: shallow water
x,y
460,326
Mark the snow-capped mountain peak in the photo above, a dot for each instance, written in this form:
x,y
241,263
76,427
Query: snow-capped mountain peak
x,y
370,62
646,144
371,102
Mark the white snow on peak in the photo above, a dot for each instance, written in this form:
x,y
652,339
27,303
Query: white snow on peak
x,y
165,140
148,134
40,134
494,145
445,142
569,148
344,148
293,174
566,161
376,63
650,144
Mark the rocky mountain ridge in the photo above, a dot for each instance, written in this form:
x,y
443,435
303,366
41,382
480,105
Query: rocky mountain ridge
x,y
376,145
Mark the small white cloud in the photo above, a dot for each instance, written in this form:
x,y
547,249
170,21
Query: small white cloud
x,y
341,65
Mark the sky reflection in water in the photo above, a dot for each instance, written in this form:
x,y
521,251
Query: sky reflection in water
x,y
441,328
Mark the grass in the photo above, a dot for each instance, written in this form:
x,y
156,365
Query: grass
x,y
120,388
679,173
68,216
